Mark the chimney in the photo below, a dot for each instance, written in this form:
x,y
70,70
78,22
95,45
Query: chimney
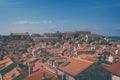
x,y
86,38
116,51
78,45
30,67
110,59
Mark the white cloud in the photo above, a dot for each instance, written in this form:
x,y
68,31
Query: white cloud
x,y
9,2
34,22
46,22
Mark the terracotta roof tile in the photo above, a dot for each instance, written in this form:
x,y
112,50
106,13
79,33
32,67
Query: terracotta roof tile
x,y
39,75
5,63
32,59
88,57
114,68
12,74
50,66
78,65
37,66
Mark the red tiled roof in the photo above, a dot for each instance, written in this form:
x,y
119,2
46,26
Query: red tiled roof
x,y
78,65
88,57
39,74
114,68
61,60
68,33
5,63
12,74
32,59
50,66
37,66
58,58
56,51
105,65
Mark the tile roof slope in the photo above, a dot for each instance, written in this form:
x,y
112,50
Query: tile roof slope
x,y
83,48
57,58
50,66
61,60
105,65
78,65
88,57
4,63
5,60
115,68
12,74
32,59
39,74
37,66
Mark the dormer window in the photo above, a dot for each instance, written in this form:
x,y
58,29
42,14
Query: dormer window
x,y
65,64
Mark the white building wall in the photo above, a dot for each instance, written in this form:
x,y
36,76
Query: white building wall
x,y
115,77
69,77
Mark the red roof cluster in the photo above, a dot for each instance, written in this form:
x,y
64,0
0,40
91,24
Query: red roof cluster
x,y
113,68
78,65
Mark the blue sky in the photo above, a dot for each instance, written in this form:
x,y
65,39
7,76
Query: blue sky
x,y
40,16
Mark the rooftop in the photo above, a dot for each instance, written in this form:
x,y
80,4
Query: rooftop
x,y
38,75
78,65
5,63
32,59
19,34
113,68
12,74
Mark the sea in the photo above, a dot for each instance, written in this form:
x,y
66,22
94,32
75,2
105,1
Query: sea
x,y
114,37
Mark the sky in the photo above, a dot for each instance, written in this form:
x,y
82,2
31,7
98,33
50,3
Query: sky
x,y
40,16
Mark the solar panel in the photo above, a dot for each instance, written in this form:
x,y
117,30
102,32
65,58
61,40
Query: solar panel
x,y
65,64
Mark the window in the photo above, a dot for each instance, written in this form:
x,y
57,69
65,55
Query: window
x,y
65,64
